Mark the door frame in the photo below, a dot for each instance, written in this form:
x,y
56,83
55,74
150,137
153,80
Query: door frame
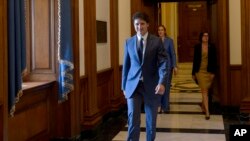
x,y
222,43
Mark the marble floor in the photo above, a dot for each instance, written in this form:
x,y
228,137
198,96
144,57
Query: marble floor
x,y
185,121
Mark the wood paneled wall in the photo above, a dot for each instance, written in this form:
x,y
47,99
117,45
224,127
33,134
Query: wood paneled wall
x,y
33,116
100,92
149,8
90,64
34,110
41,19
67,117
94,95
2,128
236,94
74,98
3,71
223,51
104,90
117,98
245,25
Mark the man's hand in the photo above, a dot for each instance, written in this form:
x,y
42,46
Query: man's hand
x,y
159,89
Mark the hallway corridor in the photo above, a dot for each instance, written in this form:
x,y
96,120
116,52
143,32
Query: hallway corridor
x,y
185,121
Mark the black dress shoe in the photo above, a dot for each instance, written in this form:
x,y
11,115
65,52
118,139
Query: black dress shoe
x,y
166,112
207,117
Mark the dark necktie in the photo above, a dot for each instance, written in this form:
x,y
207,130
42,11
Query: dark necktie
x,y
140,50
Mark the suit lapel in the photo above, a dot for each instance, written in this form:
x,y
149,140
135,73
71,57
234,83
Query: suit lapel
x,y
135,48
148,45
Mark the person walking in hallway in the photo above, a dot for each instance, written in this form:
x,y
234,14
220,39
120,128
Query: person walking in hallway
x,y
204,68
169,47
143,77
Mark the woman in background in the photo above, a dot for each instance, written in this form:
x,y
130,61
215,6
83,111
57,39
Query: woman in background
x,y
204,67
169,46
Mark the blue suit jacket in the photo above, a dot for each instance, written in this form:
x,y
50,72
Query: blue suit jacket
x,y
169,46
152,68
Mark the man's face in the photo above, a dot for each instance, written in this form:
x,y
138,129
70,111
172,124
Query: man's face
x,y
141,26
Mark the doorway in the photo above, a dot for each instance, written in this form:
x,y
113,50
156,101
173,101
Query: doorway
x,y
184,21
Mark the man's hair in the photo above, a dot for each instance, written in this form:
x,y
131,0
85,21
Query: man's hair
x,y
140,15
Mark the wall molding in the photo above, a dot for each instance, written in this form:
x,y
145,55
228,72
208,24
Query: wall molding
x,y
3,72
245,31
235,86
34,114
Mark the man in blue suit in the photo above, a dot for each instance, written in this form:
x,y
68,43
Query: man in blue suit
x,y
143,77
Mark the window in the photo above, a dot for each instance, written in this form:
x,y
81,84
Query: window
x,y
41,40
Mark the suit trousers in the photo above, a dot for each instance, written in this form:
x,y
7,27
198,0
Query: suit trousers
x,y
165,97
134,114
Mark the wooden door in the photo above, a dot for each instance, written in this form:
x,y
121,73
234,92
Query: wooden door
x,y
192,19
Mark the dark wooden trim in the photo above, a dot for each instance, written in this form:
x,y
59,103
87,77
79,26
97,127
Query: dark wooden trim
x,y
223,50
74,96
105,87
235,87
24,102
83,77
90,63
245,105
116,97
120,67
90,50
122,99
3,72
245,24
104,72
83,97
35,106
245,37
114,38
1,120
104,92
105,101
48,70
235,67
136,5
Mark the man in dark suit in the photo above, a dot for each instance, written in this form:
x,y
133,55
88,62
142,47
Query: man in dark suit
x,y
143,77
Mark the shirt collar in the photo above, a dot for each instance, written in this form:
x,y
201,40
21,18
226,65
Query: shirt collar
x,y
144,37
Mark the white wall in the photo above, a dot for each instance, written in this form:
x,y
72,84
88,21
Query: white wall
x,y
235,32
81,38
103,49
124,23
